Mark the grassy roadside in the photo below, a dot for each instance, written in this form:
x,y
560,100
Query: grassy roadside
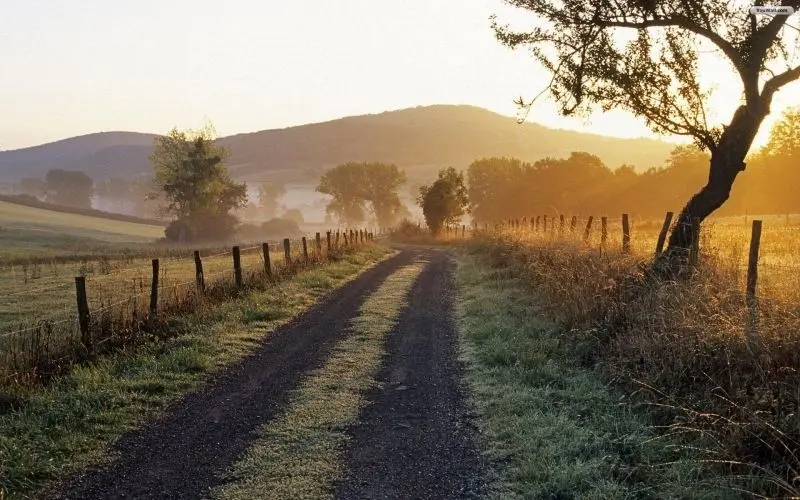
x,y
298,455
71,423
554,428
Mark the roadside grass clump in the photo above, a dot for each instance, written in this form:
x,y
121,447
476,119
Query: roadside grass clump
x,y
71,422
552,427
709,367
299,454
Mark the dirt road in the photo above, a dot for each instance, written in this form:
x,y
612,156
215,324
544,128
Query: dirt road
x,y
414,438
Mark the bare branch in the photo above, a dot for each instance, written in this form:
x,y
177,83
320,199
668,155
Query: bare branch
x,y
682,22
778,81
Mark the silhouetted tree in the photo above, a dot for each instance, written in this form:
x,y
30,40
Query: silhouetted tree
x,y
445,201
199,192
71,188
655,76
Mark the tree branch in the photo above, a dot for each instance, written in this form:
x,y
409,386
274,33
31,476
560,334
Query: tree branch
x,y
683,22
775,83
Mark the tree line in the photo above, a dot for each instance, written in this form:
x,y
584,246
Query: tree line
x,y
192,186
502,188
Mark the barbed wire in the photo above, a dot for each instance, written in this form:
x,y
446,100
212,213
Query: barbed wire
x,y
40,323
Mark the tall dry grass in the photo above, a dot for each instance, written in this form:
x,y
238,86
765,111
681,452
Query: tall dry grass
x,y
682,346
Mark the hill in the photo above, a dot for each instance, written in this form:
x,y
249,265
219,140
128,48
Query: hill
x,y
432,136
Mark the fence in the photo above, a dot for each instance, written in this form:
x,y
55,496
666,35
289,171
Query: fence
x,y
772,270
54,315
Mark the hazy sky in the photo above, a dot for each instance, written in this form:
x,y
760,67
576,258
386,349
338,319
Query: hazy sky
x,y
71,68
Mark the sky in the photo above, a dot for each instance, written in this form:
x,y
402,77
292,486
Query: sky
x,y
72,68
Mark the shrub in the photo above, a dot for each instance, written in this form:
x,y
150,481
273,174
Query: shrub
x,y
281,228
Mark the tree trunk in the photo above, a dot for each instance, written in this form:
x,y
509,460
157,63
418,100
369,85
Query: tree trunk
x,y
727,160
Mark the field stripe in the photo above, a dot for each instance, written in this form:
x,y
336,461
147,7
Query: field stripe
x,y
299,455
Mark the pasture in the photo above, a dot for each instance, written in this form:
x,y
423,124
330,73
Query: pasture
x,y
34,232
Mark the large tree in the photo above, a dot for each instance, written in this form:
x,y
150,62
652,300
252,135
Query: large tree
x,y
356,186
199,192
656,75
71,188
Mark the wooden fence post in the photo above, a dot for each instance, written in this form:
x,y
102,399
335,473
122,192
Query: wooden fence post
x,y
198,272
537,224
662,236
237,267
328,238
336,243
83,311
463,230
573,223
305,249
267,263
588,230
561,225
287,251
154,289
626,234
319,245
752,278
544,224
603,231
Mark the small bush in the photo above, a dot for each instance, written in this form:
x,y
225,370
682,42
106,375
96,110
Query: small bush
x,y
281,228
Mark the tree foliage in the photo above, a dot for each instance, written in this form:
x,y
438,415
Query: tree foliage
x,y
359,187
655,76
70,188
294,214
268,195
199,193
445,201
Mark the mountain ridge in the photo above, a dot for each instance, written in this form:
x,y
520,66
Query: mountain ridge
x,y
434,136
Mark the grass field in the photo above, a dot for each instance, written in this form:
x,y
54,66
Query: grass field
x,y
28,232
710,366
39,327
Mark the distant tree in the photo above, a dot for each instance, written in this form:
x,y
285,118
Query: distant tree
x,y
118,191
492,184
34,186
625,172
294,214
776,168
656,75
354,186
784,138
197,187
268,195
143,203
445,201
70,188
344,184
